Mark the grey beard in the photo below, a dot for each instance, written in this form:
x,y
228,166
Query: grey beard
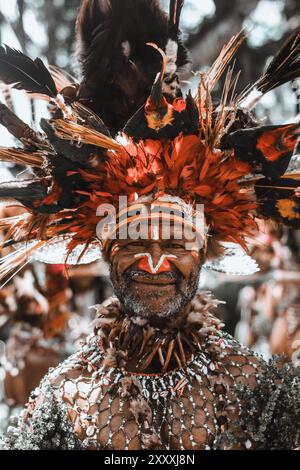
x,y
139,307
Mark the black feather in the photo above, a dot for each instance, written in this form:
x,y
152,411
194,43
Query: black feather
x,y
252,146
186,122
118,67
175,13
20,129
31,193
24,191
78,155
285,65
24,73
89,118
278,200
69,184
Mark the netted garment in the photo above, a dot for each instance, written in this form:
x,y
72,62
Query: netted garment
x,y
114,410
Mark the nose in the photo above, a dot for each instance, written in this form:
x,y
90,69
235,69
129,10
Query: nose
x,y
155,261
156,252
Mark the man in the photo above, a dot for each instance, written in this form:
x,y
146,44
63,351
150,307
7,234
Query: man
x,y
158,373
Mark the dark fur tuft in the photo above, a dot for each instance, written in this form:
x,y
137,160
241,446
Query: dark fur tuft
x,y
117,65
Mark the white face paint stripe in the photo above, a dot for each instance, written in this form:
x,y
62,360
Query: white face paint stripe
x,y
115,249
154,269
156,233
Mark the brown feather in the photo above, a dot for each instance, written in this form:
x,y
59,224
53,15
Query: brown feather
x,y
285,65
71,131
169,355
150,357
21,157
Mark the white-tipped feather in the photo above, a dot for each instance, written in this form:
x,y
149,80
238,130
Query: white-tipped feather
x,y
171,53
251,100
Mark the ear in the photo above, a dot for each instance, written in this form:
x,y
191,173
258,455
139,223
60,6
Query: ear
x,y
213,249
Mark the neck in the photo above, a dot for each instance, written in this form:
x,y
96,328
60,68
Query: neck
x,y
162,323
141,345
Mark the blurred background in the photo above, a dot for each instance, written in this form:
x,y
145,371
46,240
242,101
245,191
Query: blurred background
x,y
43,313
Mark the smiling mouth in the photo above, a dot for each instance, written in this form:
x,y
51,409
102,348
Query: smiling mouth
x,y
154,282
155,279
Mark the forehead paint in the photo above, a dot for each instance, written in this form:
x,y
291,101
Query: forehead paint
x,y
146,263
155,232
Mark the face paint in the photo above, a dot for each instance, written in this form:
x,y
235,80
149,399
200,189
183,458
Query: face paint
x,y
155,279
146,263
156,233
115,250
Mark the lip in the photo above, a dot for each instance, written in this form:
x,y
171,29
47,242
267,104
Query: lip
x,y
153,282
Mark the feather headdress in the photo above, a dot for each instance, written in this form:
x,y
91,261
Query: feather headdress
x,y
126,130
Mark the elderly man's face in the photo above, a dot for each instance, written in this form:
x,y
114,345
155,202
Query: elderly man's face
x,y
155,278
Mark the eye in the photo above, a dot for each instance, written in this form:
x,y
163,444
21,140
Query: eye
x,y
175,245
134,246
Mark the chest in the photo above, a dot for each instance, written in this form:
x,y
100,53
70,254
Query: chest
x,y
174,412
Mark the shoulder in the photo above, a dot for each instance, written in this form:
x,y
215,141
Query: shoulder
x,y
44,423
241,365
230,362
271,410
80,364
238,369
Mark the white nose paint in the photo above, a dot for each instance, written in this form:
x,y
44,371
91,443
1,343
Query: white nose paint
x,y
154,269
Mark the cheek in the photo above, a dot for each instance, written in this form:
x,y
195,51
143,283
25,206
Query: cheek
x,y
189,263
120,263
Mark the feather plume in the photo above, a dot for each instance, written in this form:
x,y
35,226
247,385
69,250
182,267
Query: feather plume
x,y
11,264
11,222
13,228
24,73
24,191
216,122
279,200
175,12
20,130
225,114
284,67
72,131
72,150
220,65
61,78
22,157
64,82
32,76
268,149
89,117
